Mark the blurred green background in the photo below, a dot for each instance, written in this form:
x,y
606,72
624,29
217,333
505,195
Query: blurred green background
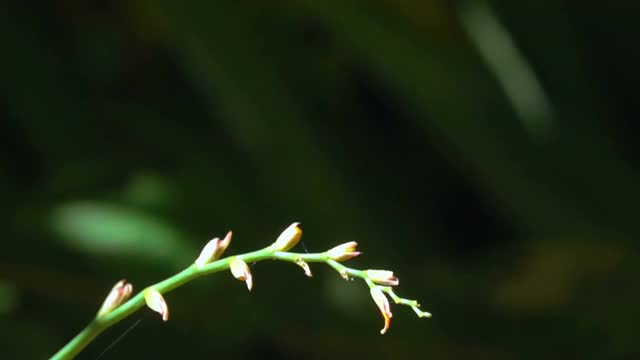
x,y
485,151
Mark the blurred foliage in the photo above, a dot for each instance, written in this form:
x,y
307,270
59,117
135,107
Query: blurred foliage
x,y
484,150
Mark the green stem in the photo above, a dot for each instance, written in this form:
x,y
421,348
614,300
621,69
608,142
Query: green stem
x,y
79,342
99,324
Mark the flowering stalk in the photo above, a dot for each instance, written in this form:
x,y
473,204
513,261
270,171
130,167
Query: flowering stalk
x,y
379,282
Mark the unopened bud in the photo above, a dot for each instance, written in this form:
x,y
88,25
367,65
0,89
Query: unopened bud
x,y
383,305
382,277
156,302
213,250
289,238
305,267
118,294
240,271
344,251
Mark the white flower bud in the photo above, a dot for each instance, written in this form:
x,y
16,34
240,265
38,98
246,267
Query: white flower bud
x,y
155,301
240,270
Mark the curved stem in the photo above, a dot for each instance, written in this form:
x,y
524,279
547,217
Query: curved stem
x,y
99,324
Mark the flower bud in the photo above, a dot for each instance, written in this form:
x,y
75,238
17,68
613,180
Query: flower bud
x,y
240,271
156,302
118,294
289,238
344,251
208,252
382,277
213,250
383,305
305,267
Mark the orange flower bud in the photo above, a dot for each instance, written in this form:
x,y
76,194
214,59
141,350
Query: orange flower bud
x,y
289,238
240,271
156,302
383,305
382,277
344,251
118,294
213,250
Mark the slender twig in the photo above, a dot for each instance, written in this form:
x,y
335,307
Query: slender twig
x,y
109,317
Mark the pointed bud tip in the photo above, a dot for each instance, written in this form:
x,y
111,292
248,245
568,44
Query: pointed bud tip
x,y
224,244
128,288
227,238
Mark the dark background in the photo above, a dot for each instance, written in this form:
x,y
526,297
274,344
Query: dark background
x,y
485,151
